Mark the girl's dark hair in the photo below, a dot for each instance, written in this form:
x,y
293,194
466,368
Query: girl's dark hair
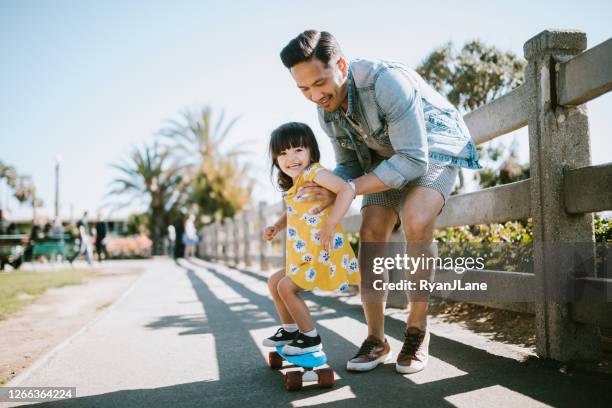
x,y
287,136
310,44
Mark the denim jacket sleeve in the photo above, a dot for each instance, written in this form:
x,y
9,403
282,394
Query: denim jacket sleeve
x,y
399,102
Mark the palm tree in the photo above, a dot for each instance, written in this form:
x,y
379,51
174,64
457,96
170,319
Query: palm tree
x,y
151,179
221,184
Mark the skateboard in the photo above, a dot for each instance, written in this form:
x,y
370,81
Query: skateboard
x,y
308,362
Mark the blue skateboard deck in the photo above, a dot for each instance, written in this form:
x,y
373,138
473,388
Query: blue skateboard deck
x,y
309,360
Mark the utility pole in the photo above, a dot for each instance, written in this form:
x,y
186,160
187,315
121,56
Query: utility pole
x,y
58,160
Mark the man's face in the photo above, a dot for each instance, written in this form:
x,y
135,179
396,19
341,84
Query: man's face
x,y
325,86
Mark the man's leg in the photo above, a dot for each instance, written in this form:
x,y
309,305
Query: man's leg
x,y
376,227
419,212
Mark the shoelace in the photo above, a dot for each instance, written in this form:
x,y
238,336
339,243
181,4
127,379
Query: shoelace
x,y
366,348
412,343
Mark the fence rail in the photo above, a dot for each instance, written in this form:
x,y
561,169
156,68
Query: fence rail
x,y
563,191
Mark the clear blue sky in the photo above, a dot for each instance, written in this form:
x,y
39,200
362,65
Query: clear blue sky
x,y
89,80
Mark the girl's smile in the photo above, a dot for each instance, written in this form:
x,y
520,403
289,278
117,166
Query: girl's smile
x,y
294,160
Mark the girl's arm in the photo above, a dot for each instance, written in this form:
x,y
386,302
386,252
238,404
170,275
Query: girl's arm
x,y
271,231
281,223
344,197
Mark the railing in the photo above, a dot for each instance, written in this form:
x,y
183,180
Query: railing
x,y
563,191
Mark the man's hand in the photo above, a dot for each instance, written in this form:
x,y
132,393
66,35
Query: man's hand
x,y
270,232
314,192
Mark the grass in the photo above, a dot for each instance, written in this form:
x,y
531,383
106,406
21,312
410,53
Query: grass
x,y
20,288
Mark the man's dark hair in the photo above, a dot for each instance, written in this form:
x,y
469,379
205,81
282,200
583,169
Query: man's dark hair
x,y
308,45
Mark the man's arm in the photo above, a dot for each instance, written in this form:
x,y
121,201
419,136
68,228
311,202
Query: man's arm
x,y
401,104
347,167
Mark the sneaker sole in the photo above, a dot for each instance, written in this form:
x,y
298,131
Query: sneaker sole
x,y
410,369
270,343
296,351
368,366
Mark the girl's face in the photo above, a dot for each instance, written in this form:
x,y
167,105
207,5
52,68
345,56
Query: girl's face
x,y
294,160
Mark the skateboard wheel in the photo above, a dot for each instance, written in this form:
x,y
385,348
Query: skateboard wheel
x,y
326,377
293,380
275,360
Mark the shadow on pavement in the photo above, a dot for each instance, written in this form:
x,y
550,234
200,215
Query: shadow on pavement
x,y
246,380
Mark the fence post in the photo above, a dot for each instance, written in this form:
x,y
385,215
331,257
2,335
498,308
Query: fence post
x,y
201,251
261,217
236,236
227,240
214,241
216,254
246,238
558,140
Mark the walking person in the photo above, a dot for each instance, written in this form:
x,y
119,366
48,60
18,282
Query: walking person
x,y
100,237
190,236
84,240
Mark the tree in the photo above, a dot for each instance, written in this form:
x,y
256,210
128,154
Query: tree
x,y
470,78
149,177
220,184
22,185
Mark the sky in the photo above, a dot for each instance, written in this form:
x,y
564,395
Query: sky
x,y
90,80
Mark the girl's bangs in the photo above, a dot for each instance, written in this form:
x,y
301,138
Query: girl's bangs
x,y
284,141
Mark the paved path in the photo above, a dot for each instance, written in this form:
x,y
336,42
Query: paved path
x,y
188,334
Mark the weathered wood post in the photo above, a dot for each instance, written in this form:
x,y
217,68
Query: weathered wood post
x,y
558,140
215,246
236,237
246,238
261,217
227,241
201,252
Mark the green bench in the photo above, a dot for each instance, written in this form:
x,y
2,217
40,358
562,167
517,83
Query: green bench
x,y
52,246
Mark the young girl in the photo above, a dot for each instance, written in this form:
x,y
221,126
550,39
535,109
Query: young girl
x,y
318,253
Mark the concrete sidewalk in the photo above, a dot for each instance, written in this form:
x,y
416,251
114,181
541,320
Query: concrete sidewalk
x,y
188,334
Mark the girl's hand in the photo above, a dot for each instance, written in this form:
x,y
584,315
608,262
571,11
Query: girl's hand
x,y
325,235
270,232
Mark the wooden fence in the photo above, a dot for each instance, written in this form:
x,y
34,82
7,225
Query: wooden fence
x,y
560,196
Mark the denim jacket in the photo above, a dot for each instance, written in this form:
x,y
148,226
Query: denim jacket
x,y
405,116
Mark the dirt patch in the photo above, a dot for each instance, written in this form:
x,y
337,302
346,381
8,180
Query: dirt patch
x,y
500,325
57,314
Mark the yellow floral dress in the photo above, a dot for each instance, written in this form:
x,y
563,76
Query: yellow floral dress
x,y
308,265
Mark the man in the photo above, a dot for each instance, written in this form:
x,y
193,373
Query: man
x,y
85,244
401,143
100,236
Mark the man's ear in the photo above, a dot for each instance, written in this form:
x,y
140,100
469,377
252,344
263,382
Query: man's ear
x,y
343,66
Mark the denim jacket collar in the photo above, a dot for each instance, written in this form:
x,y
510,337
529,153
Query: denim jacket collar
x,y
351,93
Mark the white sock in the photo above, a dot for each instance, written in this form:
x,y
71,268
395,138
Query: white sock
x,y
312,333
290,327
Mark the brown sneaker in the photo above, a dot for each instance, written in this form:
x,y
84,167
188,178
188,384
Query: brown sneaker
x,y
371,353
415,351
